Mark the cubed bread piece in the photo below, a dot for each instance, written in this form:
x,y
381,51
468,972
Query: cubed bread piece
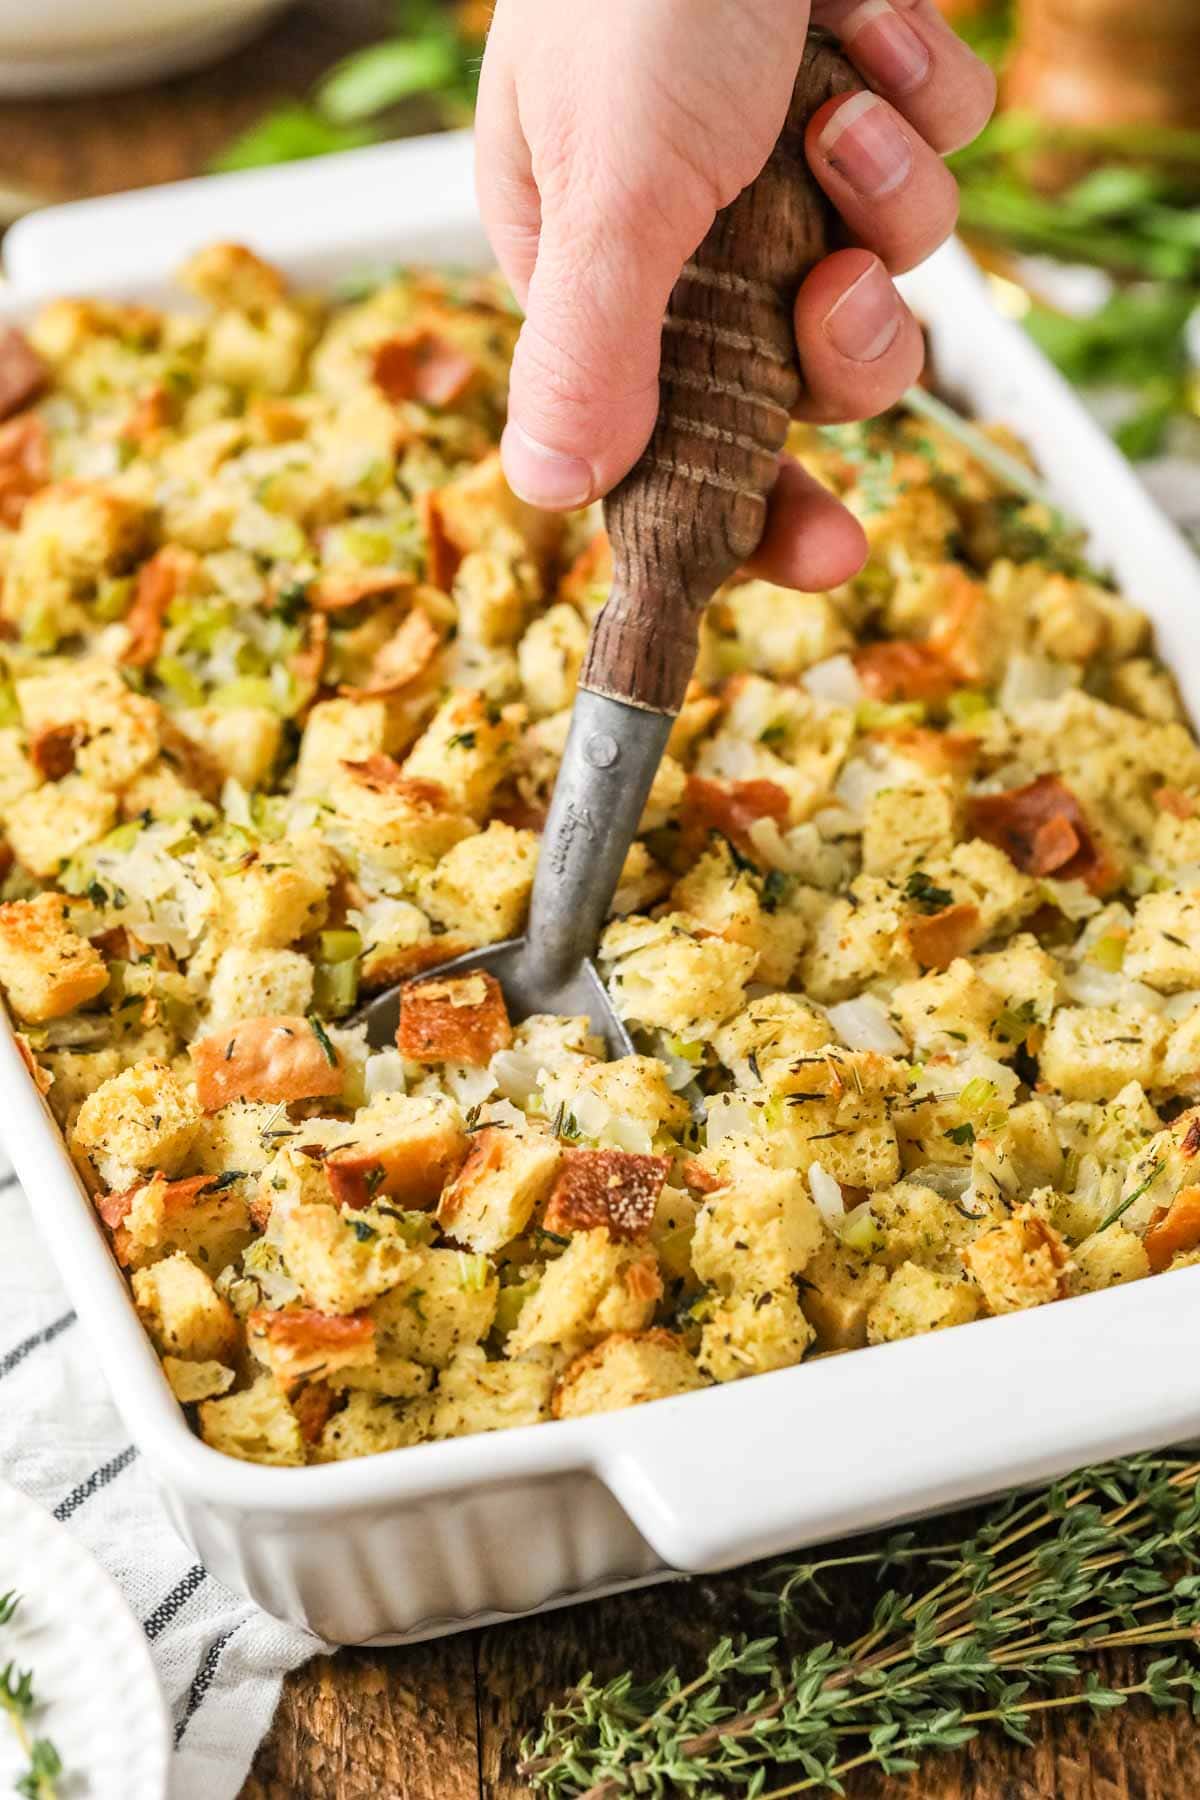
x,y
183,1312
855,941
241,741
481,887
402,1147
627,1369
455,1019
755,1235
338,731
74,1074
907,824
205,1216
1026,978
193,1381
46,828
445,1301
492,592
256,1425
916,1300
839,1289
229,275
244,1136
280,1058
1020,1262
339,1264
1173,1230
664,974
593,1288
279,896
1090,1053
395,821
507,1174
751,1334
253,983
783,632
300,1343
144,1118
917,1224
1106,1259
473,1394
46,968
625,1102
1164,945
466,748
549,657
733,903
479,509
769,1035
955,1006
368,1425
614,1188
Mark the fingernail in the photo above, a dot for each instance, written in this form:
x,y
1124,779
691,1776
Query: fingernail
x,y
542,476
865,321
864,143
886,47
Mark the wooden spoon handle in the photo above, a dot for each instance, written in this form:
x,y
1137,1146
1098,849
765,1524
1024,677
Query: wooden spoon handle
x,y
693,508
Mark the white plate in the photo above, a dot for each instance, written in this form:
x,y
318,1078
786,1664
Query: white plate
x,y
91,1665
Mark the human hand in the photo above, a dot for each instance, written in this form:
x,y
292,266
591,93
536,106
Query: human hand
x,y
608,136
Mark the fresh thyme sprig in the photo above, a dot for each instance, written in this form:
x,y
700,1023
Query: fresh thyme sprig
x,y
20,1702
1105,1559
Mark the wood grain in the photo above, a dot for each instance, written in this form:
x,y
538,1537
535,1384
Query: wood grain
x,y
443,1721
693,508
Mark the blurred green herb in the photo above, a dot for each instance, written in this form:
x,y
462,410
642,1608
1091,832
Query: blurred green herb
x,y
433,55
19,1702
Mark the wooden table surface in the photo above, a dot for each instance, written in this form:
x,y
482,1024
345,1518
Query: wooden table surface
x,y
443,1721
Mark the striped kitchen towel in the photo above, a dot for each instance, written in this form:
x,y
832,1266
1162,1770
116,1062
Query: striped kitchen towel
x,y
220,1660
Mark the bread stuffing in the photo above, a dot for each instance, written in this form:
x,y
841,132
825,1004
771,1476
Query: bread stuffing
x,y
908,944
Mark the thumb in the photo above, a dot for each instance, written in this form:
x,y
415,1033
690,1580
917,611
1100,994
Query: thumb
x,y
583,393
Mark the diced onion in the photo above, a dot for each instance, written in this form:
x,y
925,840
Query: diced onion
x,y
384,1074
1180,1005
863,1024
950,1180
470,1086
1089,985
516,1074
1030,678
827,1195
835,680
859,782
1073,899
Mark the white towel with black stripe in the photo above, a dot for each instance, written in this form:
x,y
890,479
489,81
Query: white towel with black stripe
x,y
220,1660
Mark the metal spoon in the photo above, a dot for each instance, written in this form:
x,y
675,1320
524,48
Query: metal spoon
x,y
687,516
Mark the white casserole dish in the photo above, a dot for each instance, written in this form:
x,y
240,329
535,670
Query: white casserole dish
x,y
428,1540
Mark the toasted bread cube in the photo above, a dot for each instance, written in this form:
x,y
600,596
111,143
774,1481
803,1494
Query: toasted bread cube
x,y
916,1300
202,1215
491,1200
144,1118
481,887
395,821
619,1102
854,941
457,1019
242,741
257,1425
492,592
466,748
627,1369
549,657
728,900
1164,945
919,1224
300,1343
73,533
751,1334
907,824
183,1312
1019,1263
840,1288
614,1188
479,509
229,275
74,1074
593,1288
338,731
339,1266
280,1057
1106,1259
954,1006
1173,1230
774,1031
664,975
402,1147
445,1300
367,1426
757,1234
278,897
46,968
255,983
193,1381
784,632
1091,1052
49,825
238,1136
474,1394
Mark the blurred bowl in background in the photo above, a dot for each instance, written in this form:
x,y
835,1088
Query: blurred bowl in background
x,y
84,46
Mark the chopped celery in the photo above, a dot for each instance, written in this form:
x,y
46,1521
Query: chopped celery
x,y
335,987
1109,951
510,1302
113,597
244,690
675,1253
179,680
732,657
880,715
123,838
10,712
862,1231
39,627
966,704
474,1272
690,1052
978,1094
338,946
